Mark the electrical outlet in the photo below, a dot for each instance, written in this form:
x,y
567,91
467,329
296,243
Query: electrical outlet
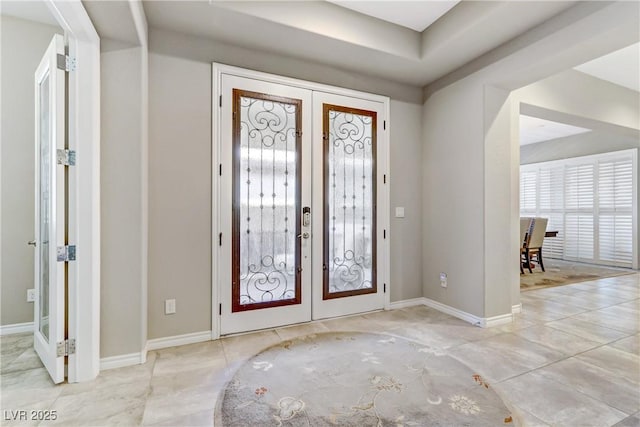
x,y
169,306
31,295
443,280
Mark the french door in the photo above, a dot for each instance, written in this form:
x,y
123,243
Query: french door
x,y
299,204
49,315
348,236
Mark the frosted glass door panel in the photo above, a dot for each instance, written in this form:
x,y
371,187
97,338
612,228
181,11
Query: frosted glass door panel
x,y
350,194
266,201
44,214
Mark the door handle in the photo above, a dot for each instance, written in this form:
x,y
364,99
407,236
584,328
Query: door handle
x,y
304,235
32,243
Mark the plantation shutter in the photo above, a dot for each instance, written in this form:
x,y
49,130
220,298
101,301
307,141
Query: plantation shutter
x,y
579,192
615,180
528,180
551,190
590,202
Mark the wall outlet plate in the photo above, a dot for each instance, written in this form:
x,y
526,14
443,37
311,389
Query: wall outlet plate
x,y
31,295
443,280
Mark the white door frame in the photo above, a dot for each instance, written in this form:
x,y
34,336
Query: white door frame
x,y
216,137
84,187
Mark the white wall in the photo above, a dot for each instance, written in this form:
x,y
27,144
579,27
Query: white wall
x,y
406,183
453,196
501,228
469,172
19,62
179,195
180,174
122,198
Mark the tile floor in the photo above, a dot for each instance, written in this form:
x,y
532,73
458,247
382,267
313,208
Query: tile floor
x,y
571,358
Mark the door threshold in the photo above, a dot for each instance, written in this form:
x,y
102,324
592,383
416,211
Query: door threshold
x,y
310,322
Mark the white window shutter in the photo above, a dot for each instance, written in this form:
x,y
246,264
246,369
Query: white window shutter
x,y
589,201
528,183
615,233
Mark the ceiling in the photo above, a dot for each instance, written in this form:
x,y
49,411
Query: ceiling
x,y
534,129
33,10
621,67
415,15
336,36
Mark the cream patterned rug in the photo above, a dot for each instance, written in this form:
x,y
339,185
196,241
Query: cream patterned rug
x,y
560,273
357,379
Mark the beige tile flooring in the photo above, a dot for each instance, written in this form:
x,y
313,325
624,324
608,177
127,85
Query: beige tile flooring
x,y
571,358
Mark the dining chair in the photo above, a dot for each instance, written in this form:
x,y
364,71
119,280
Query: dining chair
x,y
525,229
534,248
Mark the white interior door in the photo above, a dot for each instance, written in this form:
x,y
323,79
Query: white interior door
x,y
264,193
49,305
348,184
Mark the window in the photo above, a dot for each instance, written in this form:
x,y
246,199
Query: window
x,y
590,202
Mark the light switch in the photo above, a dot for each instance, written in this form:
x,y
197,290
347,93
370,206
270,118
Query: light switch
x,y
399,212
169,306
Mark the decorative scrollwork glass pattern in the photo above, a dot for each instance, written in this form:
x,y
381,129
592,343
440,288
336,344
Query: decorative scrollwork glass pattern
x,y
267,193
350,195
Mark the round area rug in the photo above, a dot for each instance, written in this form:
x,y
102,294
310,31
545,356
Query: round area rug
x,y
357,379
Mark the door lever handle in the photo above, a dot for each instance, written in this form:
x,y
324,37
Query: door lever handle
x,y
304,235
31,243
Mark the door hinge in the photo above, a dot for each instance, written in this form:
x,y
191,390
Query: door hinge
x,y
220,309
220,169
384,234
66,253
220,239
66,347
385,288
298,133
384,178
66,63
221,100
384,124
234,115
66,157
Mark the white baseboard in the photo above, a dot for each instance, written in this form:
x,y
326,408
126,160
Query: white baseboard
x,y
177,340
121,361
467,317
516,309
483,322
16,328
502,319
406,303
130,359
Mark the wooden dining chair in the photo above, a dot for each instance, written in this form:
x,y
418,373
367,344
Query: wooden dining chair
x,y
525,229
534,248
